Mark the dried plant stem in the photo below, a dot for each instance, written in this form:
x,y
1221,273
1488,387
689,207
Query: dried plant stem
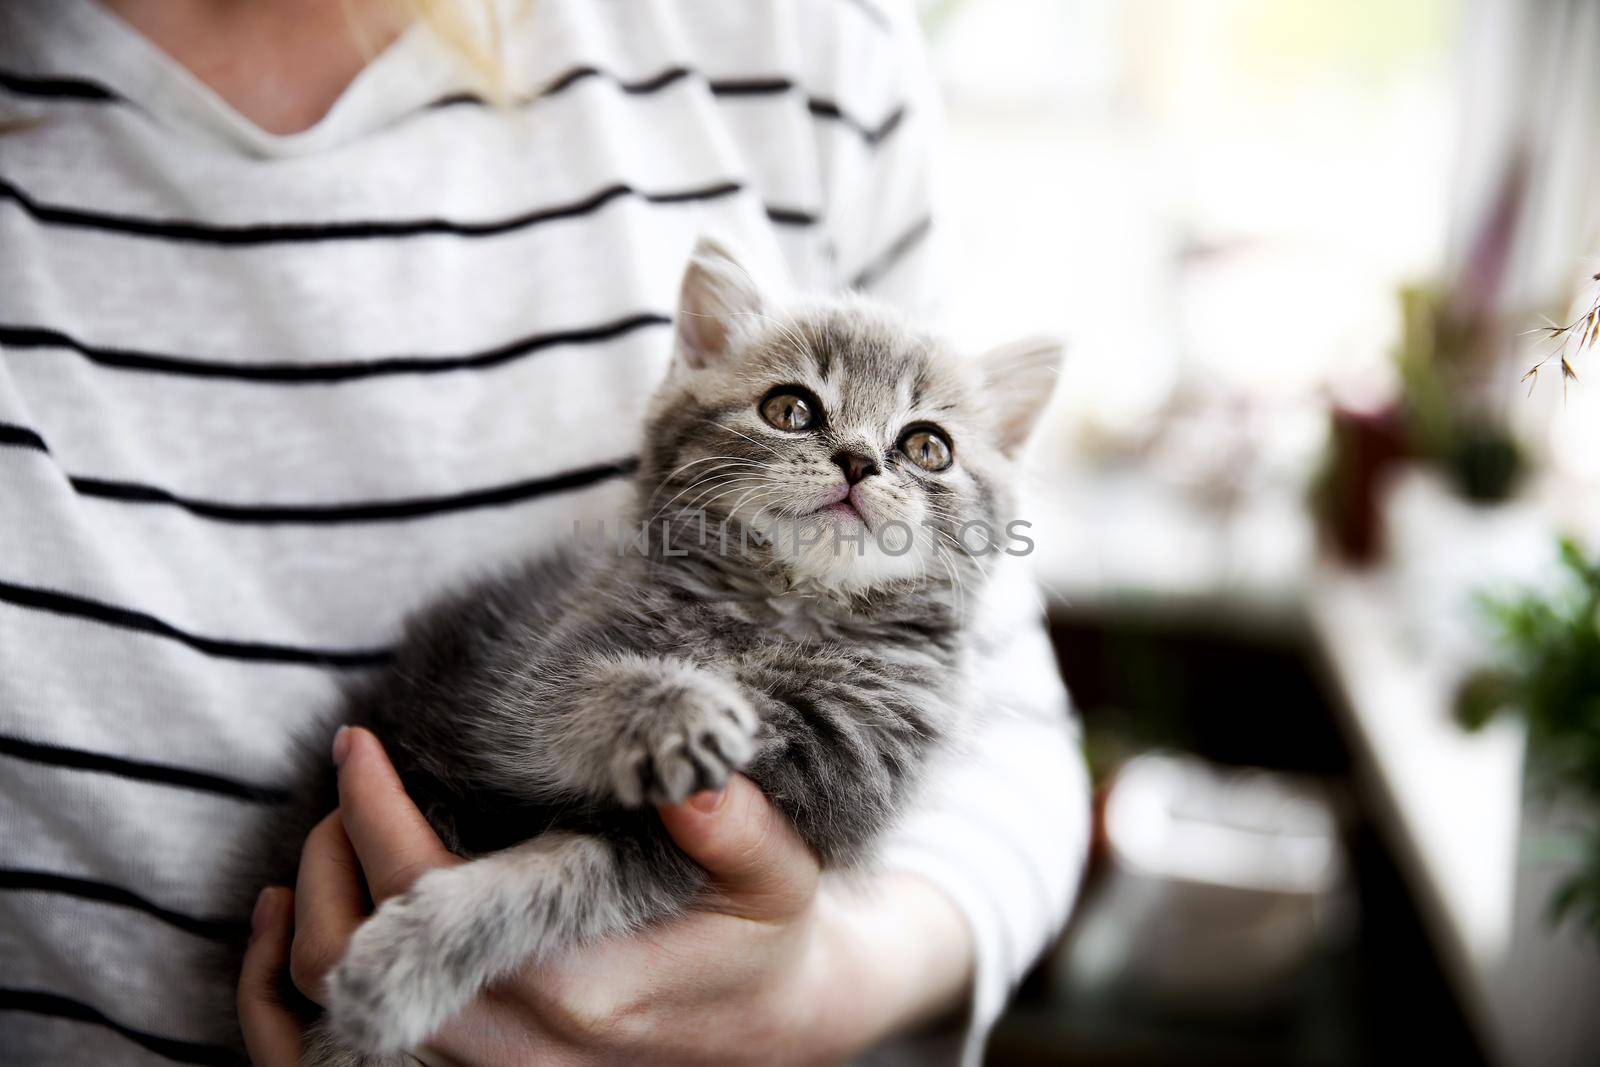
x,y
1569,340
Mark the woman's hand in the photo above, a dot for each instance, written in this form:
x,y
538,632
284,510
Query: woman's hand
x,y
778,965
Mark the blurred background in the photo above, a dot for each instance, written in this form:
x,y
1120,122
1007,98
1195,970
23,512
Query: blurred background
x,y
1300,509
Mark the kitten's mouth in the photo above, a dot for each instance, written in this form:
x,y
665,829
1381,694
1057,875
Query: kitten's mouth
x,y
841,508
844,507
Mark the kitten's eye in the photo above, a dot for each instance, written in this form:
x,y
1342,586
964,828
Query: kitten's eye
x,y
788,411
927,448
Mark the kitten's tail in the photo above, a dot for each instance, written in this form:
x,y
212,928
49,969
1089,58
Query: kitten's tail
x,y
427,953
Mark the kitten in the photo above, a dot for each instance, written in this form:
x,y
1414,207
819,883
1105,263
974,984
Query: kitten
x,y
813,501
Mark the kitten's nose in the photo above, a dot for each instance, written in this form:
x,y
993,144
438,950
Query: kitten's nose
x,y
855,465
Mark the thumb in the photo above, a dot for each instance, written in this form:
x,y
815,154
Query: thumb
x,y
759,867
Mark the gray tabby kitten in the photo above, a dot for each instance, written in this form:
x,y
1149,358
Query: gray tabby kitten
x,y
798,610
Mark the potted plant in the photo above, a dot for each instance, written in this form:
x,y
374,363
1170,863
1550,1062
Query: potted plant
x,y
1548,674
1443,418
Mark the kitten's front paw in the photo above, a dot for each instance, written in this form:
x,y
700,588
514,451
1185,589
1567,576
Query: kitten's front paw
x,y
395,985
691,735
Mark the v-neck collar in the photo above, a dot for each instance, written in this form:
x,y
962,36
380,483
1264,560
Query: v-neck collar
x,y
81,38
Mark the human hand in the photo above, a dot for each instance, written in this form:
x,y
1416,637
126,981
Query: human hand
x,y
777,965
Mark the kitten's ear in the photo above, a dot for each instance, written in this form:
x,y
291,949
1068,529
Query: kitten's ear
x,y
718,299
1020,378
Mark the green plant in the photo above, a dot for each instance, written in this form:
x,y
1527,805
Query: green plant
x,y
1549,675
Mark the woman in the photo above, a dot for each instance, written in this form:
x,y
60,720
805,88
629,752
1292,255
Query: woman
x,y
294,337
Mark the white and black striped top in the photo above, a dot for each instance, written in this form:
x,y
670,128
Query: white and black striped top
x,y
261,395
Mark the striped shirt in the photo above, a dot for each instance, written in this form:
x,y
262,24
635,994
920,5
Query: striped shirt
x,y
262,395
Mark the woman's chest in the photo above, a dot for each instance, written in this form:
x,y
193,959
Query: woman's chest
x,y
323,377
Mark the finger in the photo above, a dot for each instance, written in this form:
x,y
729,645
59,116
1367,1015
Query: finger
x,y
757,862
394,842
330,901
271,1031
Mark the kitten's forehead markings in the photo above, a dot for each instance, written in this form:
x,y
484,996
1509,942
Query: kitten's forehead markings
x,y
829,390
822,356
919,385
910,403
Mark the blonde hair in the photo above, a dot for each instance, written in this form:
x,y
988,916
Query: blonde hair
x,y
475,30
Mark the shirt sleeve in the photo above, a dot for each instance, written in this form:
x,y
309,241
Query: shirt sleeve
x,y
1003,826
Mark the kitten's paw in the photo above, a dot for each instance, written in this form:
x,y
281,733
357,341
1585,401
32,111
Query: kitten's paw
x,y
693,737
397,983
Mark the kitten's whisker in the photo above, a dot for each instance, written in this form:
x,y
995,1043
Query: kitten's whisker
x,y
706,476
666,481
736,482
766,493
955,578
713,475
738,503
740,433
703,459
738,487
712,482
977,561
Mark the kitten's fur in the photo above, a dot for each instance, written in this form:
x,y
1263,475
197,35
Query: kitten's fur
x,y
535,717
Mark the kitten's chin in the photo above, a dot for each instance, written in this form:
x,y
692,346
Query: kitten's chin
x,y
834,551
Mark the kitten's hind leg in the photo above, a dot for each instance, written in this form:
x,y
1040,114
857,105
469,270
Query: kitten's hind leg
x,y
426,954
